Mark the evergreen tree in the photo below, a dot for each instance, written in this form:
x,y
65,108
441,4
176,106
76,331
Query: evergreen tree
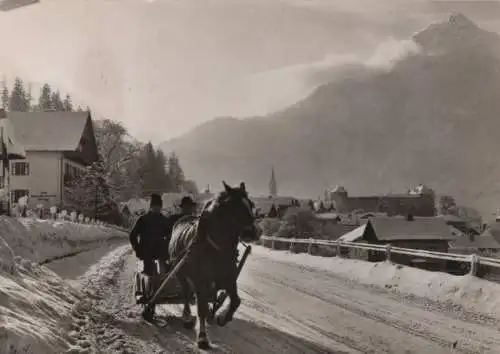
x,y
175,172
147,170
162,179
5,98
56,101
45,99
17,102
190,187
447,205
273,187
67,104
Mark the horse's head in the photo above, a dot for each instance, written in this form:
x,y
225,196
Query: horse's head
x,y
233,212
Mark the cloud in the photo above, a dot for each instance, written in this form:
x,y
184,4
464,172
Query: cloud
x,y
285,86
390,52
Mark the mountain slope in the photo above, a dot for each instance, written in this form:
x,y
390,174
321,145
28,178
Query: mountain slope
x,y
433,119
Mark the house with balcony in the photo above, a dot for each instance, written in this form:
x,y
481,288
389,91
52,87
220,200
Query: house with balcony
x,y
58,145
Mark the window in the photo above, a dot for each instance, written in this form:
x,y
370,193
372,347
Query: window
x,y
20,168
18,193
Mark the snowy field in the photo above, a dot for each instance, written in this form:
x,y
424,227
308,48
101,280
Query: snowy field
x,y
471,293
35,303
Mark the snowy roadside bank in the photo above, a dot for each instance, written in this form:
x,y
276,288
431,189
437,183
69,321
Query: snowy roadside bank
x,y
471,293
43,240
35,303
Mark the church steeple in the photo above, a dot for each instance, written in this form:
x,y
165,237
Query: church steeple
x,y
273,188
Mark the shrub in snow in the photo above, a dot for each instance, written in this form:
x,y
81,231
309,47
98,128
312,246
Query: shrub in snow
x,y
18,238
298,222
270,226
53,212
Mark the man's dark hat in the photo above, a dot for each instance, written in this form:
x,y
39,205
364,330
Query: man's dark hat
x,y
156,200
187,201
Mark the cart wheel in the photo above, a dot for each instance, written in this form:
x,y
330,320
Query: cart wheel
x,y
148,313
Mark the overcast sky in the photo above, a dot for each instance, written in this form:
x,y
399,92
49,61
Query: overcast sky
x,y
163,67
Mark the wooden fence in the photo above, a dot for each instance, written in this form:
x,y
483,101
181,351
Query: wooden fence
x,y
473,260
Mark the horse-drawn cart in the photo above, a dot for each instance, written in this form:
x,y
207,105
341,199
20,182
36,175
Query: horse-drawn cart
x,y
170,292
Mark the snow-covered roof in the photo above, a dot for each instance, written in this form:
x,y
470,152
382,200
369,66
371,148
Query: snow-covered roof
x,y
339,189
327,216
15,149
421,228
354,235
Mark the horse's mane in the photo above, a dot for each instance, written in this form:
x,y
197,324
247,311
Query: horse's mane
x,y
219,199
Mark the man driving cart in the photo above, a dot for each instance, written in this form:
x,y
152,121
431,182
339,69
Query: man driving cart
x,y
150,237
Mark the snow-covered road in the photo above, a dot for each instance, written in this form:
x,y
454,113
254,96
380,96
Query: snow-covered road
x,y
286,308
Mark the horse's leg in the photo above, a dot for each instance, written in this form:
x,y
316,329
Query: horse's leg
x,y
202,305
210,294
235,301
187,317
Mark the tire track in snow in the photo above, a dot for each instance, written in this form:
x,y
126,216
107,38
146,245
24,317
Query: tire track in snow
x,y
278,296
341,297
453,310
411,328
96,328
88,329
262,306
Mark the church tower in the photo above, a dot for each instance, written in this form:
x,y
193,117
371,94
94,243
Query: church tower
x,y
273,188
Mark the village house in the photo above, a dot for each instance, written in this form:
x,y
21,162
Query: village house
x,y
485,244
425,233
331,226
59,145
172,200
460,224
263,205
420,202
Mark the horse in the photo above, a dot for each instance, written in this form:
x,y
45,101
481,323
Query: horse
x,y
211,264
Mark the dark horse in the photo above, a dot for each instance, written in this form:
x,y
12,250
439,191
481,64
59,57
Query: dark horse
x,y
211,264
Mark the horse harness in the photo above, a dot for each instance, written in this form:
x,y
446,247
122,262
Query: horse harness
x,y
185,256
